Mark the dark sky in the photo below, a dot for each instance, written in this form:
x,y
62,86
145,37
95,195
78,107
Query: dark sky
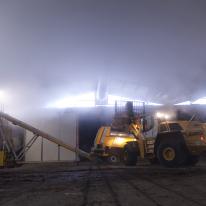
x,y
151,50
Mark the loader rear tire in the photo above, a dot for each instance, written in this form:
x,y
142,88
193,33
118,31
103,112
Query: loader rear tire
x,y
171,154
129,157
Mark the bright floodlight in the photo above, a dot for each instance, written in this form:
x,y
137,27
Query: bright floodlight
x,y
3,96
161,115
83,100
88,100
167,116
184,103
153,104
200,101
113,98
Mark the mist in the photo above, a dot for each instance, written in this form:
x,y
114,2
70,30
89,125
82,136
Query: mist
x,y
147,50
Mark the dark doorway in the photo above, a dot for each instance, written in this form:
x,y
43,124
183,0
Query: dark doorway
x,y
89,123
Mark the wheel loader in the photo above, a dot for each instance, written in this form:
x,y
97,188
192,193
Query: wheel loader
x,y
172,143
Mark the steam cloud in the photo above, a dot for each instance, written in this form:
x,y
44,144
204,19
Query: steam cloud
x,y
149,50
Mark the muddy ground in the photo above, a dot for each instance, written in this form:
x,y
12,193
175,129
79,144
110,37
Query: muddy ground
x,y
52,184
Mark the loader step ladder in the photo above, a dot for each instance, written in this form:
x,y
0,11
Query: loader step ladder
x,y
149,146
38,133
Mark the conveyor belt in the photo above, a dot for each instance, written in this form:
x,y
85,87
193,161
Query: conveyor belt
x,y
38,132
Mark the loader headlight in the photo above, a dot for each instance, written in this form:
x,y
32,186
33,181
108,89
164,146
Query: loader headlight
x,y
202,138
119,141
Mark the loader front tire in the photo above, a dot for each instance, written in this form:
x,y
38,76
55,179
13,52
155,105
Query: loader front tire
x,y
129,157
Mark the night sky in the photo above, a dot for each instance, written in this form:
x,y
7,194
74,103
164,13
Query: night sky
x,y
149,50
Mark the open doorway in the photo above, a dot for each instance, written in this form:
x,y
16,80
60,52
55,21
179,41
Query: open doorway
x,y
89,123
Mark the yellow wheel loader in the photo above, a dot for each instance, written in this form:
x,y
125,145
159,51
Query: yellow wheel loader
x,y
171,143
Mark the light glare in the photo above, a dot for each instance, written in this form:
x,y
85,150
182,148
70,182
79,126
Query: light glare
x,y
113,98
3,97
184,103
200,101
88,100
83,100
162,115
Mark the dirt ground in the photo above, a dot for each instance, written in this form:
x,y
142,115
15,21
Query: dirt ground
x,y
52,184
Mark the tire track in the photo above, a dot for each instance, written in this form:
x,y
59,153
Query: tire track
x,y
86,188
109,186
136,189
96,176
180,194
150,180
142,192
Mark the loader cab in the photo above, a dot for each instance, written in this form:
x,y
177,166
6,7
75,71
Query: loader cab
x,y
170,127
147,123
149,126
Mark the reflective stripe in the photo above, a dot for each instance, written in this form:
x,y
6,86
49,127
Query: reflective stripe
x,y
98,136
104,135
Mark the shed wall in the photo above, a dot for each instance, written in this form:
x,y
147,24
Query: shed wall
x,y
60,124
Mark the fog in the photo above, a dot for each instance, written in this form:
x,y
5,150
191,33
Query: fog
x,y
149,50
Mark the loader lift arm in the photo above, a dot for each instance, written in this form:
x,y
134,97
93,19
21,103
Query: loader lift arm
x,y
44,135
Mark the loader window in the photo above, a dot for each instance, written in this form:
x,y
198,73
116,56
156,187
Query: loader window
x,y
148,123
163,128
175,127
